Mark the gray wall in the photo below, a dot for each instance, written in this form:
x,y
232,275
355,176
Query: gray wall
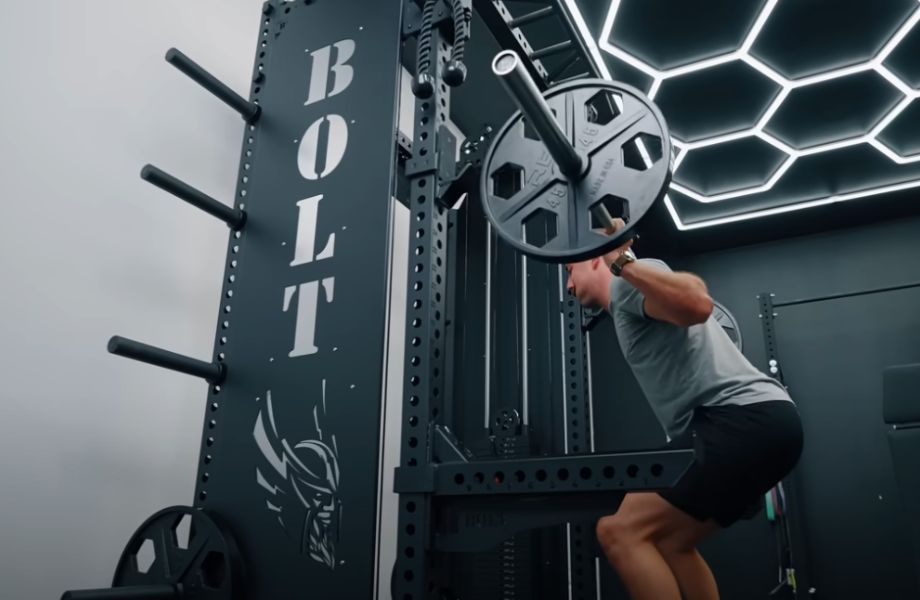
x,y
91,444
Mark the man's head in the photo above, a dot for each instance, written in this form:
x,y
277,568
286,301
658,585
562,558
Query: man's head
x,y
589,281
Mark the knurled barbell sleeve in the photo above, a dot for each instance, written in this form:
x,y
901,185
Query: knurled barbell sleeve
x,y
507,65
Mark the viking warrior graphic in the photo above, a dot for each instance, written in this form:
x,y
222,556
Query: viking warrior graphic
x,y
303,483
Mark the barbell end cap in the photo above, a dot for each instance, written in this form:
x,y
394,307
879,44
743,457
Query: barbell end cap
x,y
172,55
504,62
116,342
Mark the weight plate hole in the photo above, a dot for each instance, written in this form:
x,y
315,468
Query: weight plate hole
x,y
145,556
642,151
507,180
181,532
603,107
529,132
609,206
539,228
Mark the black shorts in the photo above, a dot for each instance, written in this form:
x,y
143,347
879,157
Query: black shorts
x,y
742,452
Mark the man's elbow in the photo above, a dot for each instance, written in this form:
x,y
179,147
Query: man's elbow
x,y
704,308
697,310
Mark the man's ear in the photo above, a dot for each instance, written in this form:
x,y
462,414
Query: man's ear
x,y
596,262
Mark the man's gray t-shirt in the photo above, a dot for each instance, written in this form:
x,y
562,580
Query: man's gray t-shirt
x,y
680,368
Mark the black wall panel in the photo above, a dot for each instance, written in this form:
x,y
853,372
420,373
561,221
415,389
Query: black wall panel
x,y
832,353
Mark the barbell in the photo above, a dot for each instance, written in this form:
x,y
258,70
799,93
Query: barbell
x,y
569,162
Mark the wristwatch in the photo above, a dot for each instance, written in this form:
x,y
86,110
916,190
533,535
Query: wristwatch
x,y
625,257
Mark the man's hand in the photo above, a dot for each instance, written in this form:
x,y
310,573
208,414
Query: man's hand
x,y
678,298
615,254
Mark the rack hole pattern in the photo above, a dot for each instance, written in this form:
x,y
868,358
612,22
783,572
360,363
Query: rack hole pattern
x,y
558,479
223,342
425,389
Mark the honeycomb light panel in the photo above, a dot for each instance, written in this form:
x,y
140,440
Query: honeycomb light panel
x,y
743,53
785,209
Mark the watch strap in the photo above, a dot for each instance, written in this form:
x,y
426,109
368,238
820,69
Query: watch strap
x,y
625,257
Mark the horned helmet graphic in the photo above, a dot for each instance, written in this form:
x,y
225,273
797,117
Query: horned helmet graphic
x,y
302,482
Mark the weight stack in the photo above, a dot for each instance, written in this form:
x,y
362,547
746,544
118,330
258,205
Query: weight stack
x,y
505,573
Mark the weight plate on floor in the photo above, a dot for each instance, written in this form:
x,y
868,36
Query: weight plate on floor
x,y
183,546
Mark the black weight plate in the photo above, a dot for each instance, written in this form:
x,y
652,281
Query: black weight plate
x,y
521,184
728,322
205,562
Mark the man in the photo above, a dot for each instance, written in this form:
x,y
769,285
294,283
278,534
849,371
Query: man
x,y
700,388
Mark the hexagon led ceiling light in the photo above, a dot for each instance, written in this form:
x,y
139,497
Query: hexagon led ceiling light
x,y
772,134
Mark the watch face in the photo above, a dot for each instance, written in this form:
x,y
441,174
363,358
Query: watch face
x,y
626,257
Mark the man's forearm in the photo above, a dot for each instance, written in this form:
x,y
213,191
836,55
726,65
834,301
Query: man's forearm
x,y
679,298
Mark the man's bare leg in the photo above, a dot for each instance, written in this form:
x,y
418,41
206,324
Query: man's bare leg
x,y
639,564
694,578
651,544
679,549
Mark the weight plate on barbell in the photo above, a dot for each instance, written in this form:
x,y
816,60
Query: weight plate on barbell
x,y
182,546
728,322
537,210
